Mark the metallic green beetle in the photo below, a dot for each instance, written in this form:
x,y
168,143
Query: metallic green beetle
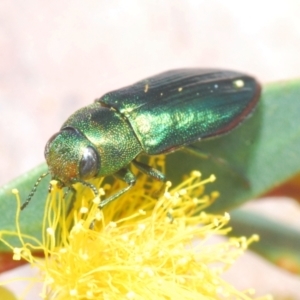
x,y
157,115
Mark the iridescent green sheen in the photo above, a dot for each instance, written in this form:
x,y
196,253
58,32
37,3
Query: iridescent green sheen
x,y
110,133
63,153
179,107
96,126
156,115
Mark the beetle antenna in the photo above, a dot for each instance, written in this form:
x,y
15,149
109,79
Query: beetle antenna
x,y
33,190
91,186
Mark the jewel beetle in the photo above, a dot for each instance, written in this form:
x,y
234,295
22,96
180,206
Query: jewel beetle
x,y
157,115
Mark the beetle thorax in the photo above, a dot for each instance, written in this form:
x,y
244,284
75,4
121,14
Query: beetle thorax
x,y
109,133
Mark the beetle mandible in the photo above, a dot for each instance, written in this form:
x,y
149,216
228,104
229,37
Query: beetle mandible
x,y
157,115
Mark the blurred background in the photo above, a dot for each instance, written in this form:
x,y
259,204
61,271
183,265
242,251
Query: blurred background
x,y
58,56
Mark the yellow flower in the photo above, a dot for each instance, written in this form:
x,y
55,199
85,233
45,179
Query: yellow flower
x,y
141,246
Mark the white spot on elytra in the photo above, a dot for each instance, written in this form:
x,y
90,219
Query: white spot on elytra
x,y
239,83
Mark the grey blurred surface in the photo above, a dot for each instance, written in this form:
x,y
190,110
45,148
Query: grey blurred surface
x,y
58,56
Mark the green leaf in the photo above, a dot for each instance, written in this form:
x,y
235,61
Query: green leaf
x,y
31,218
265,149
279,243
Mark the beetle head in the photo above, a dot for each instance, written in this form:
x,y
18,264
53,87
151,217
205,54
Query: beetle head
x,y
71,157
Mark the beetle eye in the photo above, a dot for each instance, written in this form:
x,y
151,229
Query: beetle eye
x,y
89,163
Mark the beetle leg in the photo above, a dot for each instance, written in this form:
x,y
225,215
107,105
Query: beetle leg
x,y
156,175
125,175
233,170
150,171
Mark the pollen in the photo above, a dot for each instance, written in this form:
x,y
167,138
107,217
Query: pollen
x,y
146,88
141,246
239,83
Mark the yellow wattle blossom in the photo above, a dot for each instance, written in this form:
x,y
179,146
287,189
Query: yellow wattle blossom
x,y
141,246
